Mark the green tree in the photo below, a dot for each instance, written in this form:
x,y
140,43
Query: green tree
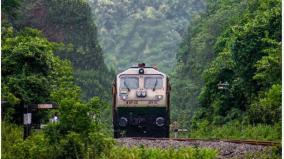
x,y
30,70
197,50
32,74
70,22
10,9
148,31
243,51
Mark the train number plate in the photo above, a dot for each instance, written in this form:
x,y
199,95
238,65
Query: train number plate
x,y
153,102
131,102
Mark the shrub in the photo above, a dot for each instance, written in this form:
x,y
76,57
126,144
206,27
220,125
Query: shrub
x,y
157,153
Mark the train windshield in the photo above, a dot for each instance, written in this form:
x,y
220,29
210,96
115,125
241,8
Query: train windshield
x,y
153,82
129,82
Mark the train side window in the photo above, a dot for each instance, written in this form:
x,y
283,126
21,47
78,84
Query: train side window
x,y
129,82
153,82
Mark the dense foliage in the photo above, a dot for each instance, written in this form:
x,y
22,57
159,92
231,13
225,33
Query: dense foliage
x,y
146,31
197,51
50,46
238,43
157,153
71,22
72,146
33,74
30,71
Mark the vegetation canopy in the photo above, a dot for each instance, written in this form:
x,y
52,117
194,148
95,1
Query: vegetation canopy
x,y
223,59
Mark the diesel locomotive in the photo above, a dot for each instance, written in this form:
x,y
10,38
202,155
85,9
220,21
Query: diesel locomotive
x,y
141,103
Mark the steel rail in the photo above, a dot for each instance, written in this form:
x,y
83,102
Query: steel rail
x,y
250,142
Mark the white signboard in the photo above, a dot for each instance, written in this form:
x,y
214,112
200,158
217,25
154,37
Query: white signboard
x,y
27,118
44,106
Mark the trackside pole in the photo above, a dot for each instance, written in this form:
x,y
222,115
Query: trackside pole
x,y
176,134
28,116
27,121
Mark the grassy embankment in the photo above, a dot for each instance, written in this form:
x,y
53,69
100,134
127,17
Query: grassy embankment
x,y
37,146
236,131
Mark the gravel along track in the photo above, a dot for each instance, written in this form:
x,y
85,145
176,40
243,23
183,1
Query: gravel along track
x,y
226,149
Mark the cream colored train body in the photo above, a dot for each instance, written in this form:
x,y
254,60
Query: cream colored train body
x,y
141,103
146,83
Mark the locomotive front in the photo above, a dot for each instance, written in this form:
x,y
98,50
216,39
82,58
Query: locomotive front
x,y
141,103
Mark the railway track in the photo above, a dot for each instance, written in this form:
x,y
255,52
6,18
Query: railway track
x,y
250,142
225,148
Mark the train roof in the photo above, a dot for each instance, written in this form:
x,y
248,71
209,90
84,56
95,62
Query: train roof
x,y
135,71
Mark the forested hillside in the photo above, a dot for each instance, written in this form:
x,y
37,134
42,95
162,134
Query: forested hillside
x,y
223,59
229,65
148,31
197,51
39,54
70,22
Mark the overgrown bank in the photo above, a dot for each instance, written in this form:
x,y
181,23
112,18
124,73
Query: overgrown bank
x,y
229,70
72,146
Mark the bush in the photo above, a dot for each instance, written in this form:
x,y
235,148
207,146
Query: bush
x,y
11,135
13,145
71,146
268,107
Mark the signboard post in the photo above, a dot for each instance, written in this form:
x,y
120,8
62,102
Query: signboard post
x,y
27,116
27,121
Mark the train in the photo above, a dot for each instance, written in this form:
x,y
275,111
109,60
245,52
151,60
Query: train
x,y
141,103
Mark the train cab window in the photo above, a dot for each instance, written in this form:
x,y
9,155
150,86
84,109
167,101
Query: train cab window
x,y
129,82
153,83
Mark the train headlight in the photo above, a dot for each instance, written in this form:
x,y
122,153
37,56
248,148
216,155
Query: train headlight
x,y
123,122
143,93
160,121
159,97
123,96
139,93
141,71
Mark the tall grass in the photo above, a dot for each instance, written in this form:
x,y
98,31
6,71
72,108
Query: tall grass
x,y
235,130
159,153
11,136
